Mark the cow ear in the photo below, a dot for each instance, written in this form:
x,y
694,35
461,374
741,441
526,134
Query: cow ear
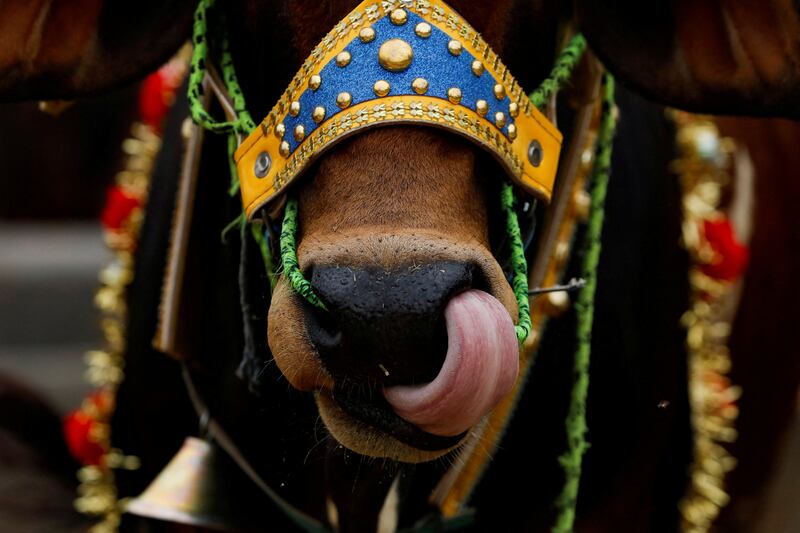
x,y
738,57
62,50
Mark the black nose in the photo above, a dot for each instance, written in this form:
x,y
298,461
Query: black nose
x,y
385,325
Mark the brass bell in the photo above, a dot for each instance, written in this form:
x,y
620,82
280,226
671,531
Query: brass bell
x,y
194,489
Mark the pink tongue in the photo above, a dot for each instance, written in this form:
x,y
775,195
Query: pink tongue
x,y
480,368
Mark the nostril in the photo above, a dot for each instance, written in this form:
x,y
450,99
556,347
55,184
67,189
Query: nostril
x,y
385,326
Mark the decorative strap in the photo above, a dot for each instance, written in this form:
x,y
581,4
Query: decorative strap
x,y
399,62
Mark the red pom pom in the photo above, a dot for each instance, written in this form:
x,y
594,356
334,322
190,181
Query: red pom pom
x,y
78,434
157,94
119,205
732,256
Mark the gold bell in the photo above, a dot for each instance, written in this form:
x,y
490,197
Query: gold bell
x,y
192,490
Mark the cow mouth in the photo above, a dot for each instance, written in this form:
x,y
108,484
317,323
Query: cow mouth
x,y
479,370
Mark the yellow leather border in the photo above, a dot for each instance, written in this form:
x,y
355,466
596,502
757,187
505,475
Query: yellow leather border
x,y
404,109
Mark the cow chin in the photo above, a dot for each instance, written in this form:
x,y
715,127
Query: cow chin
x,y
384,435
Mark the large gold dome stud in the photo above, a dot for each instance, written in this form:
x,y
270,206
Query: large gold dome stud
x,y
500,119
420,85
423,29
499,91
343,58
477,68
294,108
395,55
284,149
314,82
513,109
299,133
366,35
398,17
454,94
280,130
454,47
381,88
343,100
318,114
482,107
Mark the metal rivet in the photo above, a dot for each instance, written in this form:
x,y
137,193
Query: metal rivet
x,y
535,153
294,108
454,94
299,132
420,85
513,109
482,107
314,82
395,55
423,29
381,88
343,100
367,35
500,119
454,47
284,149
280,130
512,132
499,91
343,58
318,114
263,164
398,17
477,68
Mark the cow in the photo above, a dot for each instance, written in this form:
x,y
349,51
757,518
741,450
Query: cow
x,y
379,202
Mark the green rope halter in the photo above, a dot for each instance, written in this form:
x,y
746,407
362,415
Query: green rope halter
x,y
572,459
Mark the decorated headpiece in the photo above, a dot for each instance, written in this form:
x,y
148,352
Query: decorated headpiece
x,y
400,62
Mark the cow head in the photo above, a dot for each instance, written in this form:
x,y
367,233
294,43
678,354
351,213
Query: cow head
x,y
398,225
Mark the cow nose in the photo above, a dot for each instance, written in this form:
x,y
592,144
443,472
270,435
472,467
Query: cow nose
x,y
385,325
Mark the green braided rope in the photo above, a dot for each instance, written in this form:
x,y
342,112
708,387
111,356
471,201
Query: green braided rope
x,y
518,263
291,268
572,459
562,71
200,41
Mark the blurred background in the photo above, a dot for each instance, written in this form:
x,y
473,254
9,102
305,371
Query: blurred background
x,y
54,171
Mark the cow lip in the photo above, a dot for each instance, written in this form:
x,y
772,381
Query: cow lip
x,y
371,408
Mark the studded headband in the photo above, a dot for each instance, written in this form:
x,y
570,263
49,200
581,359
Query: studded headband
x,y
398,62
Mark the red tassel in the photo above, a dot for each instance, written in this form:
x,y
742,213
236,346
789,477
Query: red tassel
x,y
732,256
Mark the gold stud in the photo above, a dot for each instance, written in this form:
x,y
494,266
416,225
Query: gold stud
x,y
500,119
395,55
343,58
294,108
381,87
454,94
499,92
280,130
398,17
343,100
512,132
477,68
423,29
367,35
318,114
314,82
513,109
299,133
420,85
454,47
482,107
284,149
